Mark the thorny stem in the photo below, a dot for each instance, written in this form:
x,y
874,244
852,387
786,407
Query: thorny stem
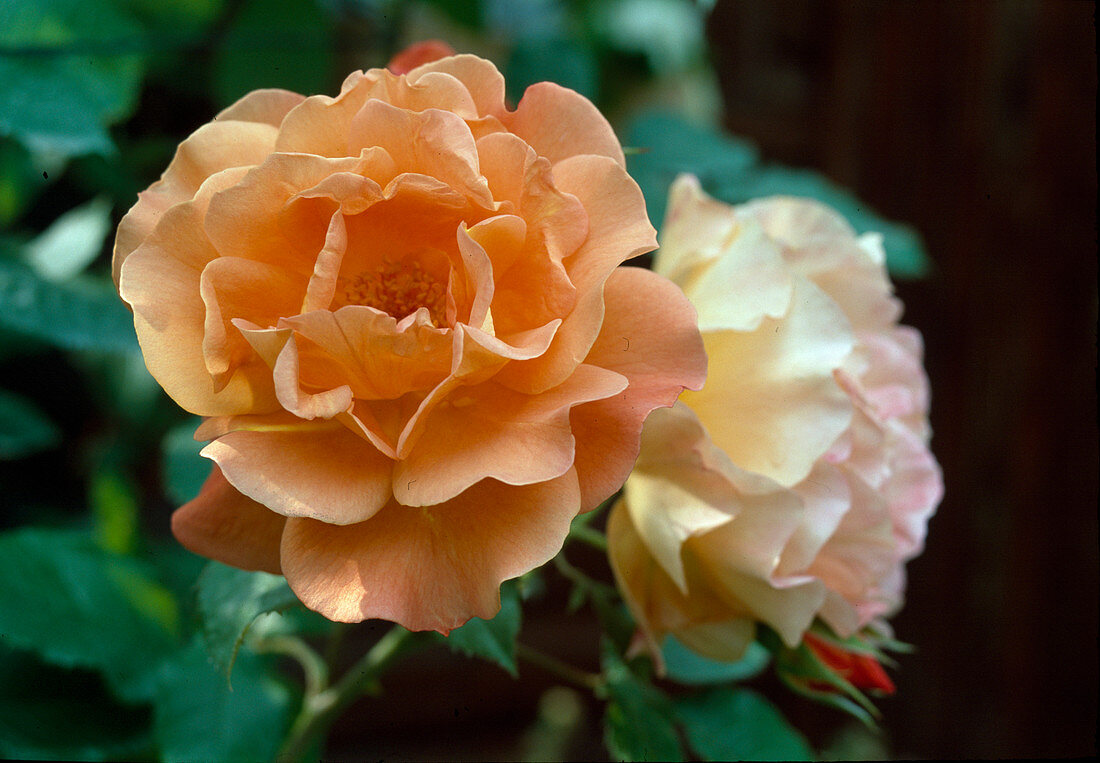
x,y
321,708
576,676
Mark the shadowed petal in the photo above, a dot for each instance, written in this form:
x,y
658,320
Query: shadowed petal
x,y
325,472
429,568
222,524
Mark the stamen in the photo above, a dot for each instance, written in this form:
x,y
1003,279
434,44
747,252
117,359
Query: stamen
x,y
398,288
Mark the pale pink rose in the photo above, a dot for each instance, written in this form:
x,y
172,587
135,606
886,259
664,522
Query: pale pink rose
x,y
401,314
797,483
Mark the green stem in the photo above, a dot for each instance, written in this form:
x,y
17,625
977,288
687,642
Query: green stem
x,y
563,670
586,534
321,708
315,669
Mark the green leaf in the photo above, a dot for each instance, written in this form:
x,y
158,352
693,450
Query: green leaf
x,y
230,600
69,69
20,180
493,640
275,43
198,717
76,605
563,60
71,242
638,722
183,468
115,509
667,32
739,724
667,145
81,314
687,667
51,713
730,170
24,429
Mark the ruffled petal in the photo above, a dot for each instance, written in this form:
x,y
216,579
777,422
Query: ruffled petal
x,y
429,568
618,229
212,148
771,401
577,127
323,471
491,431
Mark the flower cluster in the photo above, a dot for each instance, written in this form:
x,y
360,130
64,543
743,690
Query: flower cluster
x,y
798,481
401,314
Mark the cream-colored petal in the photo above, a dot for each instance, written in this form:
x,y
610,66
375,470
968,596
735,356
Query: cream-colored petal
x,y
222,524
433,567
323,472
770,400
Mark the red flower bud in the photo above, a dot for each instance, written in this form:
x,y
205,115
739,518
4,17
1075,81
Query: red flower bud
x,y
860,670
419,53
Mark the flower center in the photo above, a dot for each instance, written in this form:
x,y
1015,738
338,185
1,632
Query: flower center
x,y
398,288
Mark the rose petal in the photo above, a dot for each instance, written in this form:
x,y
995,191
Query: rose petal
x,y
210,149
618,229
222,524
429,568
491,431
266,106
577,127
324,472
658,364
771,401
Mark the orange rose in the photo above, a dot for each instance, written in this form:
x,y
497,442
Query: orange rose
x,y
400,312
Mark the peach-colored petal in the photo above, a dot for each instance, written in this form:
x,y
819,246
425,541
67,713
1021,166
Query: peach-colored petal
x,y
212,148
658,364
491,431
771,401
264,106
232,287
222,524
618,229
433,142
319,125
161,282
377,356
481,79
434,567
577,128
324,472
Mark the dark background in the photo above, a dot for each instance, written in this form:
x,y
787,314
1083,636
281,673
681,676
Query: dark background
x,y
975,122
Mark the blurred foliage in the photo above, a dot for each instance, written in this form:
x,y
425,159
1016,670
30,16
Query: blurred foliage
x,y
114,645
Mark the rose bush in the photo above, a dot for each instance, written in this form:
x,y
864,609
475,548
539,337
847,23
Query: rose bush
x,y
798,481
401,314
